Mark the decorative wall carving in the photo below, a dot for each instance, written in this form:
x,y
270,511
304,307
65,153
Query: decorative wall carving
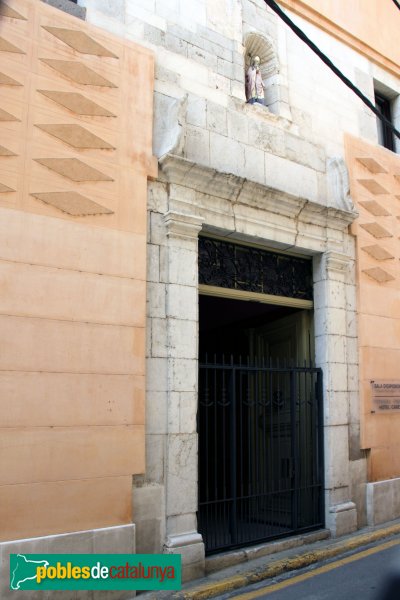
x,y
237,267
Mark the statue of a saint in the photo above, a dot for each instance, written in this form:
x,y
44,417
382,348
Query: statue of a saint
x,y
254,83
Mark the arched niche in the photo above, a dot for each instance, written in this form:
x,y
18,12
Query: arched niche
x,y
258,45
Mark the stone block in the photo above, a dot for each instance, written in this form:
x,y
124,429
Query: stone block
x,y
342,519
155,448
238,127
178,266
156,374
331,348
176,524
335,375
202,57
175,44
167,8
351,323
197,145
355,451
331,321
153,263
291,177
159,338
144,12
353,377
304,152
216,118
153,35
182,302
183,375
354,407
156,412
238,73
336,456
254,165
225,68
181,491
383,501
158,233
196,111
193,557
174,412
182,338
156,294
329,293
219,82
149,536
267,137
188,412
148,501
336,408
210,34
226,155
163,74
157,197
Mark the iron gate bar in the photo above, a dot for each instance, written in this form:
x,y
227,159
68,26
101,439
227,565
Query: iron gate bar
x,y
267,422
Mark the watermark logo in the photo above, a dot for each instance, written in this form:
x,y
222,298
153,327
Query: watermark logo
x,y
95,572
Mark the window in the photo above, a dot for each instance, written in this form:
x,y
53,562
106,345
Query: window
x,y
385,135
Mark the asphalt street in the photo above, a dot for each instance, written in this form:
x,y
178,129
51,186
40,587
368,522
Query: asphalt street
x,y
360,576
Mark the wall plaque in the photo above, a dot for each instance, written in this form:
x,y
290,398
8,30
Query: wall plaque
x,y
385,394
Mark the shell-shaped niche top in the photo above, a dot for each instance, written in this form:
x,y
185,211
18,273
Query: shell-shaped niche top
x,y
257,45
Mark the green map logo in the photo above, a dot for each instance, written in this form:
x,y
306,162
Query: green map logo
x,y
95,572
24,570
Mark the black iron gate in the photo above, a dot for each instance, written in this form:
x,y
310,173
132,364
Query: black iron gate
x,y
260,452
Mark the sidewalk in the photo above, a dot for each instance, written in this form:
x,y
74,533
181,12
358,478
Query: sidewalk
x,y
266,567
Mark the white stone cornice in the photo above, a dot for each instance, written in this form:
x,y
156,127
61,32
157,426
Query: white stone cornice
x,y
239,190
182,226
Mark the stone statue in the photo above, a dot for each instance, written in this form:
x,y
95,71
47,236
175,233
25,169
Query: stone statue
x,y
254,83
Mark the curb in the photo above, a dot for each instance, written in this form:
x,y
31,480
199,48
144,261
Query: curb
x,y
277,567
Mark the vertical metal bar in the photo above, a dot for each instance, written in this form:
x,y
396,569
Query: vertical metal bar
x,y
320,433
233,458
295,457
240,451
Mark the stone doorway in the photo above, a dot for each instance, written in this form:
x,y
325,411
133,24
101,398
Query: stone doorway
x,y
260,397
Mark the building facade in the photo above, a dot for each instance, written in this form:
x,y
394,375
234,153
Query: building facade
x,y
272,273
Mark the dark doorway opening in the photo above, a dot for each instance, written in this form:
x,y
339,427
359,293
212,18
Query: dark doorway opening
x,y
259,423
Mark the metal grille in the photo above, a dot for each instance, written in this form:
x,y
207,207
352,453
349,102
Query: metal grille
x,y
238,267
260,452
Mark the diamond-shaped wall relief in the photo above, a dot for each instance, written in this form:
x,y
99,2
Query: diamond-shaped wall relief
x,y
73,169
378,274
373,186
371,164
7,11
6,46
374,208
73,203
80,41
78,72
6,80
76,136
6,152
77,103
378,252
376,230
5,188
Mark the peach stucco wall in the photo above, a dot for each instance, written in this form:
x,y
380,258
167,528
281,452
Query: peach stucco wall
x,y
76,132
375,189
369,26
